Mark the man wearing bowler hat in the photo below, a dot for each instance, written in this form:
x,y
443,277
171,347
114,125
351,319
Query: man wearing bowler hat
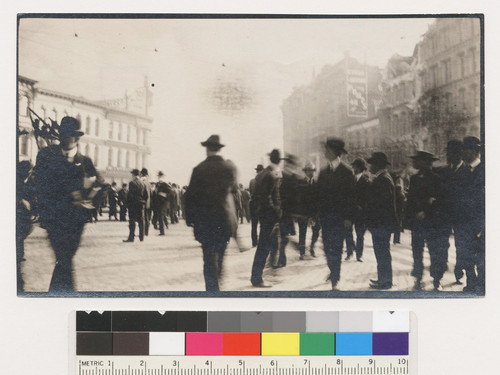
x,y
210,209
336,186
268,208
254,216
425,217
474,211
65,182
306,210
381,218
136,201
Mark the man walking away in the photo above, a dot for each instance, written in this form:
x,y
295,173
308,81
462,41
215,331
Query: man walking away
x,y
136,202
122,202
307,207
162,191
112,200
208,209
381,218
255,217
147,206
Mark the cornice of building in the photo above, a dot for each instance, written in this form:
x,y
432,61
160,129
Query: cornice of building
x,y
27,80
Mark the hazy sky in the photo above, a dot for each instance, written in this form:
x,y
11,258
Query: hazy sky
x,y
187,59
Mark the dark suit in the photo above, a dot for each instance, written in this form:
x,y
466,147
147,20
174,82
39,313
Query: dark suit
x,y
426,195
307,207
207,209
122,202
362,191
136,202
254,216
112,200
60,183
267,203
147,206
162,192
336,204
381,219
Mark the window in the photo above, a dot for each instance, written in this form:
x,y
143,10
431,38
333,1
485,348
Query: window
x,y
96,155
97,127
24,145
87,150
87,125
446,71
53,114
138,136
461,65
144,134
461,99
23,105
110,157
78,118
120,130
434,76
119,158
111,130
127,159
128,134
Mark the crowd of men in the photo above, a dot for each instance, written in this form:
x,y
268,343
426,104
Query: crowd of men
x,y
434,203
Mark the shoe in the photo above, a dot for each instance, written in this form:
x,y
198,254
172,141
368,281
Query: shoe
x,y
301,257
334,285
313,254
141,239
417,286
161,234
261,285
373,281
383,286
437,286
348,257
278,266
360,259
128,240
469,289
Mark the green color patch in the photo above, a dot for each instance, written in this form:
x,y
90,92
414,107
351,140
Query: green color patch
x,y
317,343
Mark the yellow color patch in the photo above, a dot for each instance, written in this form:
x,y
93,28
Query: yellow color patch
x,y
274,343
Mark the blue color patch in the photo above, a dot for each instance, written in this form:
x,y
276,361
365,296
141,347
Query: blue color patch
x,y
353,343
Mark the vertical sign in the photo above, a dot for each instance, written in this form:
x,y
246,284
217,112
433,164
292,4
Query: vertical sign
x,y
357,96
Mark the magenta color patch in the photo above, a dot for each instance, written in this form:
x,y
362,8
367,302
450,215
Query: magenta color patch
x,y
203,343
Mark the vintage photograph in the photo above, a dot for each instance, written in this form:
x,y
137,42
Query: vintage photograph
x,y
250,156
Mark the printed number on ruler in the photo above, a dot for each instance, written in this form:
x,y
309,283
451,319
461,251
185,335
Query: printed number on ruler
x,y
271,365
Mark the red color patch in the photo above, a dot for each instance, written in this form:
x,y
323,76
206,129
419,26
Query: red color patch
x,y
241,343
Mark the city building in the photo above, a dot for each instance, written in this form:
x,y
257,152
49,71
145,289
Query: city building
x,y
115,139
345,93
362,138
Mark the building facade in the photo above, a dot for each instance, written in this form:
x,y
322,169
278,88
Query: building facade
x,y
116,140
362,138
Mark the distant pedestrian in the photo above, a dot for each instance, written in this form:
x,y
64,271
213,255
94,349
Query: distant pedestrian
x,y
173,198
381,218
122,202
162,191
66,181
426,221
336,205
253,214
147,206
245,204
362,191
136,203
112,201
267,205
210,210
307,205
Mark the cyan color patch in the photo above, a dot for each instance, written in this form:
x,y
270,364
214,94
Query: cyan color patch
x,y
353,343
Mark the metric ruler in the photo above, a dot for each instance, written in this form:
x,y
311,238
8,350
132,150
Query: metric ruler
x,y
244,343
279,365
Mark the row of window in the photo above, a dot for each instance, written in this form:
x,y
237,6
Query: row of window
x,y
448,70
121,160
402,92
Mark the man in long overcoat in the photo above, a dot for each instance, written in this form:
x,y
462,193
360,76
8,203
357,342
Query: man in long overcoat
x,y
162,191
122,202
336,186
210,209
381,218
307,206
136,201
255,217
147,206
65,180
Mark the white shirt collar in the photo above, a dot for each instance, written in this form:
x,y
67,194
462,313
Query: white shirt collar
x,y
335,163
358,176
474,164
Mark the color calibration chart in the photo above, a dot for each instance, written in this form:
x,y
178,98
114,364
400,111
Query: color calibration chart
x,y
244,343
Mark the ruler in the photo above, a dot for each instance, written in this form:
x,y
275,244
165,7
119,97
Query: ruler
x,y
247,365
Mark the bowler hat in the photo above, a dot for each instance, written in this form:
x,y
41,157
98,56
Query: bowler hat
x,y
161,174
135,172
275,156
335,144
213,141
424,155
259,168
144,172
70,127
309,167
360,163
378,159
454,145
472,143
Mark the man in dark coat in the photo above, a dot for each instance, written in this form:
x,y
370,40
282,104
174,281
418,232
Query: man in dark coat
x,y
381,218
361,200
245,204
122,202
162,191
267,203
307,207
255,217
474,211
66,181
112,200
173,199
208,209
136,201
147,206
336,204
426,219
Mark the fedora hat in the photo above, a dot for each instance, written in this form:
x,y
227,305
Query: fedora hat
x,y
213,141
309,167
275,156
259,168
70,127
424,155
360,163
135,172
161,174
455,146
144,172
335,144
378,159
472,143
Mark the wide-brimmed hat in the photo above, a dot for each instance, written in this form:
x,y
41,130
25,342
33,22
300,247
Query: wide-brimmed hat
x,y
472,143
213,141
135,172
424,155
335,144
290,158
259,168
309,167
161,174
70,127
360,163
144,172
275,155
378,159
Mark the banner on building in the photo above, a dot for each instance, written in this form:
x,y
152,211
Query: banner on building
x,y
357,96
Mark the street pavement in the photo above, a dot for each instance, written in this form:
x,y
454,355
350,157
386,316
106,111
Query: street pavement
x,y
174,263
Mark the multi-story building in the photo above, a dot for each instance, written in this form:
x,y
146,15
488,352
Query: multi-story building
x,y
362,138
449,107
115,139
342,94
